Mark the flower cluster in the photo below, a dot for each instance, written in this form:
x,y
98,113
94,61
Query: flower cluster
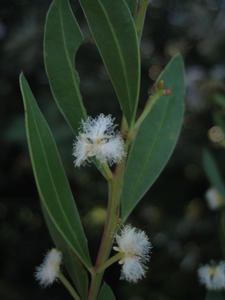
x,y
48,271
98,139
214,199
213,276
135,247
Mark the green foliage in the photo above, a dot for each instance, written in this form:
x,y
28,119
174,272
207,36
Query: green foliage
x,y
106,293
132,5
213,172
72,264
155,139
50,178
61,41
115,35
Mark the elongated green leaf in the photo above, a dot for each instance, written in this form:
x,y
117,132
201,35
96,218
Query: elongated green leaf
x,y
213,172
61,41
132,5
73,266
214,295
155,139
106,293
114,31
50,177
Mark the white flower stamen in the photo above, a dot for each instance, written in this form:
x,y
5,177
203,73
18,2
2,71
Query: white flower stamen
x,y
135,247
98,139
213,276
48,271
214,199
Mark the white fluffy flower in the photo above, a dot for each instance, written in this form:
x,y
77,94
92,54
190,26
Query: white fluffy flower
x,y
48,271
214,199
135,247
98,139
213,276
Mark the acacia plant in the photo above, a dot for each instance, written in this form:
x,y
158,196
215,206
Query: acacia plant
x,y
130,159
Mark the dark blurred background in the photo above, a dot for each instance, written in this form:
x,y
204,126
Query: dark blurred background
x,y
174,212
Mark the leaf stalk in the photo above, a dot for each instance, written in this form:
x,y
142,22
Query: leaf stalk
x,y
68,286
109,262
152,100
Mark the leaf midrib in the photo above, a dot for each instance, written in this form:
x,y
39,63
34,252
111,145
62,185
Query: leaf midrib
x,y
36,177
150,152
69,62
120,55
55,189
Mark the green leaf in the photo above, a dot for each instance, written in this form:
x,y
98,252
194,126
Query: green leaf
x,y
214,295
61,41
114,31
132,5
155,140
73,266
106,293
213,173
50,177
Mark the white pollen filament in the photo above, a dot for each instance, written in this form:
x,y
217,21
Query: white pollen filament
x,y
48,271
135,247
212,276
98,139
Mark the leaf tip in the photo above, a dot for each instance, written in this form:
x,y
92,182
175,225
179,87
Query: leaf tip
x,y
21,76
179,57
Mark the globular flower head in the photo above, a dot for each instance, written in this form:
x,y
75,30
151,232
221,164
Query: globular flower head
x,y
213,276
48,271
98,139
214,199
135,247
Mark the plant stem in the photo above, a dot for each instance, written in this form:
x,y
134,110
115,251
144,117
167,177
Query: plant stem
x,y
68,286
141,11
150,104
107,240
110,261
124,127
108,174
105,246
113,210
